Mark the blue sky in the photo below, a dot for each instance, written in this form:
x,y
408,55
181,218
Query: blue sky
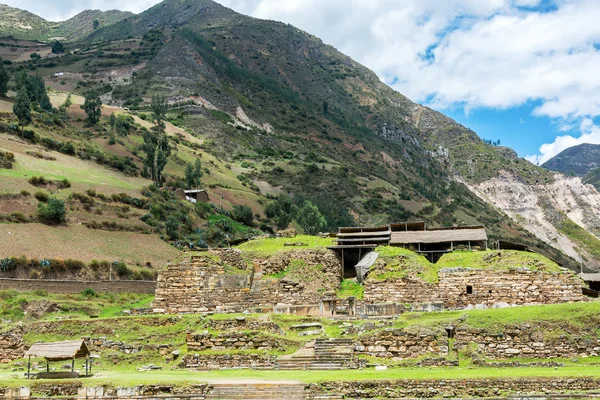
x,y
522,71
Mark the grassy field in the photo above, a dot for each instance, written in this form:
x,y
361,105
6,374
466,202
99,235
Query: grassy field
x,y
80,243
266,247
121,370
82,174
115,377
14,304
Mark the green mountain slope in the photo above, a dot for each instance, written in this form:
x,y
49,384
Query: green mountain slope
x,y
279,111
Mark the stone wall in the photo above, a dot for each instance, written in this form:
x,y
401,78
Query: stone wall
x,y
241,340
11,345
217,281
227,361
399,343
463,287
102,344
529,342
428,388
526,341
63,286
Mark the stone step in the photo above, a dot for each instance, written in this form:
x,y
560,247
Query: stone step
x,y
262,391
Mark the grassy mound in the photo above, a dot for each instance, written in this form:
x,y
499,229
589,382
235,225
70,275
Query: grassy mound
x,y
400,263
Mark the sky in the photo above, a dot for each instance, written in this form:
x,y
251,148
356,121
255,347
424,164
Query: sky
x,y
524,72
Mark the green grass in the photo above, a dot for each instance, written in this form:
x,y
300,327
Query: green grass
x,y
401,263
351,288
77,305
582,237
268,247
574,316
498,260
119,376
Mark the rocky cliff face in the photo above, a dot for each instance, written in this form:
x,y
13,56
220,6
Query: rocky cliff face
x,y
548,209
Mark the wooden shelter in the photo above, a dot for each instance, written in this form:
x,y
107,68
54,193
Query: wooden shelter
x,y
354,243
59,351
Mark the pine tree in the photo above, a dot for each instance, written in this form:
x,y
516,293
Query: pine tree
x,y
22,108
92,107
4,78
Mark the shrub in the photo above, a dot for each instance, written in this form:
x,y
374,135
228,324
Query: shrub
x,y
58,265
38,181
64,184
41,196
40,292
25,193
52,212
35,275
121,268
88,292
74,265
243,214
8,294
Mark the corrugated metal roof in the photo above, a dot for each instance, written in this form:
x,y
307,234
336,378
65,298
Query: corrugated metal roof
x,y
439,236
57,351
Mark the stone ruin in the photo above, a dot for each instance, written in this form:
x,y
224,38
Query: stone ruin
x,y
222,281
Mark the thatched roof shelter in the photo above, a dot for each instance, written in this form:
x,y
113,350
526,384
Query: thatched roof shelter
x,y
59,351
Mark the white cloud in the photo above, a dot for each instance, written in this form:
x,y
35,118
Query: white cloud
x,y
590,133
471,53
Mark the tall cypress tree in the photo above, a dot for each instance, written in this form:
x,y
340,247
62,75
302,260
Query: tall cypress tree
x,y
92,107
22,108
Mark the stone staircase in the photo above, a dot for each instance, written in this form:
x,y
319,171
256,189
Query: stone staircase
x,y
322,354
257,391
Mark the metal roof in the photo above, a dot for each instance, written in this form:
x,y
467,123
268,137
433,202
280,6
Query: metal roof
x,y
57,351
590,277
439,236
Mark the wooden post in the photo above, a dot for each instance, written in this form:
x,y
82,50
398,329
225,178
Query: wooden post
x,y
73,365
86,366
29,367
47,366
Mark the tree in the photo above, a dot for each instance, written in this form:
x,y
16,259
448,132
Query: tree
x,y
156,143
193,175
21,79
310,218
22,108
36,90
68,102
243,214
96,24
4,78
282,211
52,212
92,107
58,48
35,56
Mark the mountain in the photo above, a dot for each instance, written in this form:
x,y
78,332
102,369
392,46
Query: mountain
x,y
577,160
24,25
276,110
